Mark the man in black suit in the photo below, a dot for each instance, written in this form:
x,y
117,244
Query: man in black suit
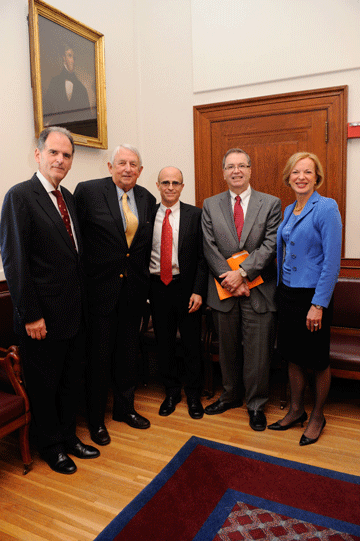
x,y
66,99
178,287
41,249
115,219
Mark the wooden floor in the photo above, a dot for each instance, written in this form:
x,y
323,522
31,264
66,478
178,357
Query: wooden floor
x,y
47,506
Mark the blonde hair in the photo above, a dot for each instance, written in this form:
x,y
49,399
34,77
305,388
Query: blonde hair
x,y
301,156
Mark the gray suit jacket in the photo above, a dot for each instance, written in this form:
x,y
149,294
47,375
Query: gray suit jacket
x,y
258,237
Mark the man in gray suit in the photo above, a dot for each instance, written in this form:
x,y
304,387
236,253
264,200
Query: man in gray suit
x,y
245,321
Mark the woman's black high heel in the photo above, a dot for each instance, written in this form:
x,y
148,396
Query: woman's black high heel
x,y
277,426
304,440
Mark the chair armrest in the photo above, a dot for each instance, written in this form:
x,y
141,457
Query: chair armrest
x,y
10,362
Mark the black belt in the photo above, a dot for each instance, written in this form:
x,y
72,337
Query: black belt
x,y
156,278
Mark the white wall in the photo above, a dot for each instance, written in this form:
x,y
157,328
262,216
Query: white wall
x,y
246,42
149,55
167,52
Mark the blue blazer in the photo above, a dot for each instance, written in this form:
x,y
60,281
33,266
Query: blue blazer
x,y
315,244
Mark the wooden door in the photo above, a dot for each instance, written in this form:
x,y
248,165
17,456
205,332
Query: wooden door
x,y
270,130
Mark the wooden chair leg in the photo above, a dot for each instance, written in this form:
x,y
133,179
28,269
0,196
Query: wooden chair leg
x,y
25,448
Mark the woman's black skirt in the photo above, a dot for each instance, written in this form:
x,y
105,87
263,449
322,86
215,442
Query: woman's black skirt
x,y
296,344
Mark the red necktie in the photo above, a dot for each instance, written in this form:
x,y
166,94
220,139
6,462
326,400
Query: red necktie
x,y
238,216
166,250
64,213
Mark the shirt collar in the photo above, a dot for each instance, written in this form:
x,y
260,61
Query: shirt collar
x,y
44,181
130,193
244,195
173,208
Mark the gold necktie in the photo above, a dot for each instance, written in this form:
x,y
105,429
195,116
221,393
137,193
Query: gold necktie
x,y
131,220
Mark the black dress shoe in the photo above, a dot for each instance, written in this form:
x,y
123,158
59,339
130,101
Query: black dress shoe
x,y
257,420
60,462
220,407
169,405
196,411
100,435
80,450
278,426
133,419
304,440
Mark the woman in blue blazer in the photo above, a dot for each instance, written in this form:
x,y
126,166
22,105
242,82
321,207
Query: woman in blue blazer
x,y
308,255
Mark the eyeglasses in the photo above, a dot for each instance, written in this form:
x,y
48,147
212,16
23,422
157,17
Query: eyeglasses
x,y
242,167
166,183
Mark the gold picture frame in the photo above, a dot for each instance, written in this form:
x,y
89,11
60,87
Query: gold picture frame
x,y
67,62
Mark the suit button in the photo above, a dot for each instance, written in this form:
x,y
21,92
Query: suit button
x,y
127,255
121,276
294,269
293,256
292,243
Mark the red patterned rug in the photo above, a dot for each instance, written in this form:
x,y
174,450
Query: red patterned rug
x,y
214,492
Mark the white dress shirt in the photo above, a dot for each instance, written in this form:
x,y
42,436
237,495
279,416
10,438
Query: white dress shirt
x,y
174,220
245,196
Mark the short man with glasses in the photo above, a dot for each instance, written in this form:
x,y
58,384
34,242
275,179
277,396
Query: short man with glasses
x,y
178,287
236,220
115,216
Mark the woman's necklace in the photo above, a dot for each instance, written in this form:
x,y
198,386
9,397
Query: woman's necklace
x,y
299,208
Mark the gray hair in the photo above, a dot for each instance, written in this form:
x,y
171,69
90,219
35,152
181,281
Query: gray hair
x,y
54,129
128,147
236,151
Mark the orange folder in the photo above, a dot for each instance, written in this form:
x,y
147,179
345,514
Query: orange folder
x,y
235,261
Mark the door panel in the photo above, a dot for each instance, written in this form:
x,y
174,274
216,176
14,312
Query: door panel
x,y
270,141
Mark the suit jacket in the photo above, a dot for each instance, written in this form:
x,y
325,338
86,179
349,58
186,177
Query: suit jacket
x,y
107,258
41,265
258,238
315,242
192,264
56,101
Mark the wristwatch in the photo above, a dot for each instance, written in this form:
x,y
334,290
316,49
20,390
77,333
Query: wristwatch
x,y
242,272
318,306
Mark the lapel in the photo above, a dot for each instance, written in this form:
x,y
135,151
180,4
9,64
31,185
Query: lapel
x,y
112,201
254,206
71,208
185,217
310,205
225,207
140,201
48,206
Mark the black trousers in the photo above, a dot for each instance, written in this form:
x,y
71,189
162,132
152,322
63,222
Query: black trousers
x,y
52,371
170,312
113,345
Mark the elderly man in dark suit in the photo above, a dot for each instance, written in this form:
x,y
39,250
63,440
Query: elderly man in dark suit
x,y
178,287
41,249
236,220
115,217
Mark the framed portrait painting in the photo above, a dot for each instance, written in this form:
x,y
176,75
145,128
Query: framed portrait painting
x,y
67,75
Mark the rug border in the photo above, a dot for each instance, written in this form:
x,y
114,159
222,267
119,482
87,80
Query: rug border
x,y
168,471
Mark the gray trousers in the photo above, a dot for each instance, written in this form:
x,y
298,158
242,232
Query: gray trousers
x,y
246,342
